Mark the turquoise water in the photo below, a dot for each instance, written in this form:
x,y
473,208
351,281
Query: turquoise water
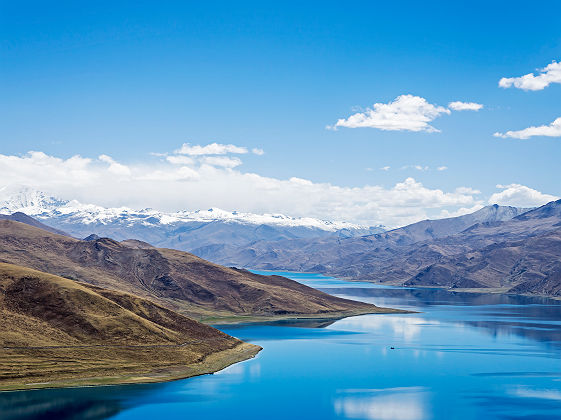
x,y
464,356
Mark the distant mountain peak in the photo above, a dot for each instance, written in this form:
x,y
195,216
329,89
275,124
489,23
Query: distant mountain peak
x,y
551,209
44,206
29,201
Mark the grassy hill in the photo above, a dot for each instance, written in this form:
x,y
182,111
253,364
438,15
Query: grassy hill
x,y
177,280
55,331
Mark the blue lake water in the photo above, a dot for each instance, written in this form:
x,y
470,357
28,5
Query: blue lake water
x,y
464,356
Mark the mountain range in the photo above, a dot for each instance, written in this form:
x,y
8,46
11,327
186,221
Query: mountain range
x,y
174,279
503,248
497,247
98,311
202,232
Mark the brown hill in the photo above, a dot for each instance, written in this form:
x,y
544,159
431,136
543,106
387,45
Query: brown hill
x,y
28,220
529,266
56,331
175,279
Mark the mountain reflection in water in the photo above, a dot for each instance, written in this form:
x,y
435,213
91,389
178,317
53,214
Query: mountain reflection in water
x,y
462,356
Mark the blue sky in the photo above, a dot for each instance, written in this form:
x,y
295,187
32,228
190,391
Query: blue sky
x,y
130,79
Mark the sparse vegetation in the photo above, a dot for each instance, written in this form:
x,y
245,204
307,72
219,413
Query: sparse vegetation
x,y
58,332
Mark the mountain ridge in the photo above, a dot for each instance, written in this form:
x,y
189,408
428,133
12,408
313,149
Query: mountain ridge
x,y
175,279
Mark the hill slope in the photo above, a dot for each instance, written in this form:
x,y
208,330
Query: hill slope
x,y
24,218
56,331
175,279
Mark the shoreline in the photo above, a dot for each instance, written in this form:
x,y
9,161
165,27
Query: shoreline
x,y
241,319
474,290
481,290
212,363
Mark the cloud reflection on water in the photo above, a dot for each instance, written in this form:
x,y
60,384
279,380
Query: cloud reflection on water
x,y
407,327
544,394
408,403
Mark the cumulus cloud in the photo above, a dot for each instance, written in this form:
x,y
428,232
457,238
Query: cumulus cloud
x,y
210,149
175,185
461,211
257,151
464,106
183,173
115,167
520,196
551,130
180,160
406,112
546,76
223,161
442,168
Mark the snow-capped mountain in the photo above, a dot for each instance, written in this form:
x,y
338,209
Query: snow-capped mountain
x,y
185,230
28,201
43,206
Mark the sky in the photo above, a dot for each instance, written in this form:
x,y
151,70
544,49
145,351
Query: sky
x,y
368,112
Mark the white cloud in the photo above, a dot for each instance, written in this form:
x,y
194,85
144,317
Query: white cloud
x,y
180,160
461,211
464,106
223,161
211,149
257,151
442,168
385,168
168,186
406,112
551,130
520,196
547,75
182,174
115,167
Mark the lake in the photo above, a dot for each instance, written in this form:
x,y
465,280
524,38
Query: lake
x,y
463,356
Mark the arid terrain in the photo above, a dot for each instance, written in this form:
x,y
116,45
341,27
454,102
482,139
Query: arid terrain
x,y
58,332
174,279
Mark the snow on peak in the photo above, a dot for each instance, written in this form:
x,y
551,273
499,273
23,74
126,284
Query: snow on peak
x,y
28,201
43,206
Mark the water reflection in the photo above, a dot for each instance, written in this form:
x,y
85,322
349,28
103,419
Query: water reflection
x,y
462,356
535,318
404,327
383,404
425,297
65,404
